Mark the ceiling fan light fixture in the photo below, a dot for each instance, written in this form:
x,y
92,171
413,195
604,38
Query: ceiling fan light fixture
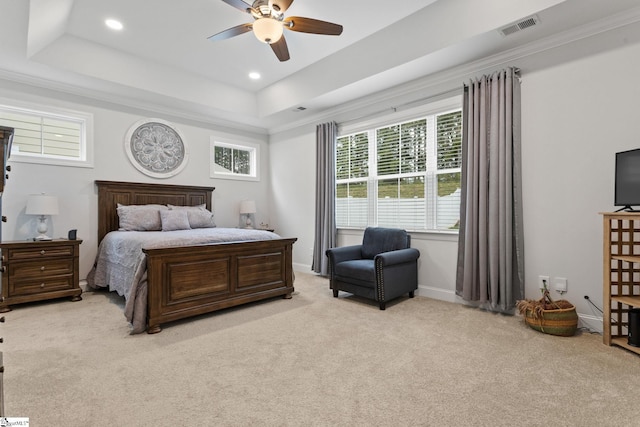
x,y
267,30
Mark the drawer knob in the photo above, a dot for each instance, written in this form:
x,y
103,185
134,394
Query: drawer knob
x,y
4,218
42,268
8,168
3,269
42,285
42,252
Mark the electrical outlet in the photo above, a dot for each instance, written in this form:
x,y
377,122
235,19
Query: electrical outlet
x,y
542,280
560,284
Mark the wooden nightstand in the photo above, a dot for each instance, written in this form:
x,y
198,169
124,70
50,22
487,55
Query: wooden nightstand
x,y
40,270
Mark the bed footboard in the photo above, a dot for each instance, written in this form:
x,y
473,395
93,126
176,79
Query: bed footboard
x,y
188,281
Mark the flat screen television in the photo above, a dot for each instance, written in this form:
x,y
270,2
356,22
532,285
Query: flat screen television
x,y
627,181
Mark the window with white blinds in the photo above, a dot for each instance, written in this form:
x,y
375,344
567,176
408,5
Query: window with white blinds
x,y
47,137
404,175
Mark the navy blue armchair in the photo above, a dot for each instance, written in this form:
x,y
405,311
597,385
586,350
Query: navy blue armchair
x,y
382,268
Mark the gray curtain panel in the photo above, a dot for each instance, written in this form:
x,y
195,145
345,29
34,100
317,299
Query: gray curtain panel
x,y
490,244
325,229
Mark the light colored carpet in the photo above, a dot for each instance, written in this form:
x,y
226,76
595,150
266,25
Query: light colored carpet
x,y
311,360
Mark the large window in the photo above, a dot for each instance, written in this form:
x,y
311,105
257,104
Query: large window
x,y
404,175
48,135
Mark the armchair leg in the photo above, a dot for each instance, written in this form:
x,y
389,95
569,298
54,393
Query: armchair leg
x,y
335,293
412,294
383,305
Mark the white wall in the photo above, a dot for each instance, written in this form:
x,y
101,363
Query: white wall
x,y
75,186
575,116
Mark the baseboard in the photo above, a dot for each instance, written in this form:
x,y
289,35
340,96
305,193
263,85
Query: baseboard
x,y
436,293
590,322
302,268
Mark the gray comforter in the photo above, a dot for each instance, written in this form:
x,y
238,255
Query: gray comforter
x,y
121,265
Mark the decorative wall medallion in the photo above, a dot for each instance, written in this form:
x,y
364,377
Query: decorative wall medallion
x,y
156,148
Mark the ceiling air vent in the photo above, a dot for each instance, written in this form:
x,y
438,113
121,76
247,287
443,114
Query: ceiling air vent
x,y
298,109
523,24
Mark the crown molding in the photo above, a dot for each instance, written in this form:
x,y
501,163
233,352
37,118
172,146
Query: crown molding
x,y
449,79
90,96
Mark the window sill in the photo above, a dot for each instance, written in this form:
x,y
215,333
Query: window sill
x,y
442,235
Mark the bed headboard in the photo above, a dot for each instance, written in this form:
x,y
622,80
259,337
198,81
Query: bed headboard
x,y
110,193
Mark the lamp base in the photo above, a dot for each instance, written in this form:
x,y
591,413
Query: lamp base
x,y
246,221
42,229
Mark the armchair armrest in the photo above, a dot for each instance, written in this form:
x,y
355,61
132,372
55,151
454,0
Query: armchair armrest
x,y
344,253
398,256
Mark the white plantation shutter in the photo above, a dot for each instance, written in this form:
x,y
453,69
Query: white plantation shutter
x,y
352,169
448,145
413,176
44,135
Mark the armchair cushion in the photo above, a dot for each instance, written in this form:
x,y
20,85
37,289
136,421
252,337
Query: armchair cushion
x,y
360,271
377,240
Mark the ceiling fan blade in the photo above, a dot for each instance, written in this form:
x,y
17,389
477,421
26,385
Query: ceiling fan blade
x,y
280,49
239,4
313,26
231,32
280,6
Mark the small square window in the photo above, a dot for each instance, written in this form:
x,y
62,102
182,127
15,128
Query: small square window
x,y
234,160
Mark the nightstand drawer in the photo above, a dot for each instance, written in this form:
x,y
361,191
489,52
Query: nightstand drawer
x,y
39,269
33,287
39,253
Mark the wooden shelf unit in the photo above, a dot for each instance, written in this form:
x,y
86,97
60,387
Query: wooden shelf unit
x,y
621,275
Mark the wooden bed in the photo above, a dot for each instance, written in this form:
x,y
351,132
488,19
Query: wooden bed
x,y
192,280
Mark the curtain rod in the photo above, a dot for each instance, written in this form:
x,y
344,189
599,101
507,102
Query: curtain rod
x,y
516,74
400,107
394,109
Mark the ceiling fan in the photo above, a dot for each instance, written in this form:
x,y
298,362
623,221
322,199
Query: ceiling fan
x,y
270,23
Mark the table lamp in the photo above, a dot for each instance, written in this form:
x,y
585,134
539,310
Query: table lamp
x,y
43,205
247,208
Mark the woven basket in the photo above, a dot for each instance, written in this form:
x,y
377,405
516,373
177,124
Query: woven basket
x,y
548,316
562,322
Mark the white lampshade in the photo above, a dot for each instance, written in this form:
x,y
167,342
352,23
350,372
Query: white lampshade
x,y
247,207
267,30
41,204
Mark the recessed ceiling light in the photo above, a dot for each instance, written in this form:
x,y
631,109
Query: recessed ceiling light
x,y
254,75
114,24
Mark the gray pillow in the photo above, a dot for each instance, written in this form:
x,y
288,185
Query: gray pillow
x,y
174,220
140,217
199,216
